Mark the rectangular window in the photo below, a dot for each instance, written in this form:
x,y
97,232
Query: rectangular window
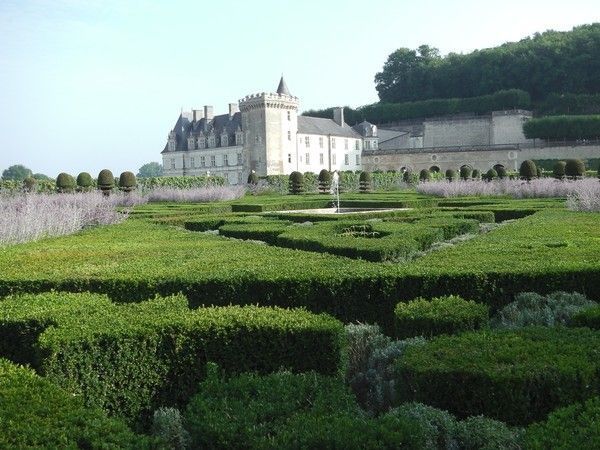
x,y
289,115
320,141
289,135
358,160
332,142
239,159
239,177
307,141
202,161
213,161
289,158
172,163
225,160
346,159
367,145
307,158
192,162
321,159
357,145
333,159
345,144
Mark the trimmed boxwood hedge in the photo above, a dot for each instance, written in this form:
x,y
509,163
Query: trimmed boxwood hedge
x,y
517,377
34,413
440,315
588,318
129,359
572,427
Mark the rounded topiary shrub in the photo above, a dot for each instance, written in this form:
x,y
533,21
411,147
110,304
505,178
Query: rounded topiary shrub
x,y
252,178
84,181
106,181
296,183
407,176
451,174
540,172
465,172
501,171
424,175
528,170
29,184
440,315
324,179
127,181
574,168
365,180
575,426
558,171
491,175
65,182
514,376
476,175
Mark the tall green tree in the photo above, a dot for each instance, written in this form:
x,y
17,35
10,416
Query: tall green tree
x,y
18,172
151,169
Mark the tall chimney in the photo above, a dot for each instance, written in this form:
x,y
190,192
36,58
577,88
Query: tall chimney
x,y
233,108
197,114
208,112
338,116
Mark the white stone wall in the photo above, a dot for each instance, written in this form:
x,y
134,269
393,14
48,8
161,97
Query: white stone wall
x,y
327,157
507,127
457,132
200,162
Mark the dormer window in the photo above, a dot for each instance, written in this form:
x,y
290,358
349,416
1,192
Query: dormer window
x,y
224,140
201,142
191,143
239,138
211,141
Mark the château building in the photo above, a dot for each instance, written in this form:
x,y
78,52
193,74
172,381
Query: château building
x,y
264,133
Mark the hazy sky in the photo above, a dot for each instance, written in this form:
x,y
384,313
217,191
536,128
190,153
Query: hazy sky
x,y
86,85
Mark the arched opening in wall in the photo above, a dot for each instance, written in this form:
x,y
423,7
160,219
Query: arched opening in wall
x,y
466,166
500,170
435,169
403,169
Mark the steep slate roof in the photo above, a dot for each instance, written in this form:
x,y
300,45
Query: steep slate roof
x,y
318,125
365,129
282,88
185,126
386,135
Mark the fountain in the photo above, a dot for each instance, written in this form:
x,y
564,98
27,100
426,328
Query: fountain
x,y
335,190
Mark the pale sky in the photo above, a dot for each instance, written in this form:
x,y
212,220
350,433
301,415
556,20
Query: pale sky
x,y
87,85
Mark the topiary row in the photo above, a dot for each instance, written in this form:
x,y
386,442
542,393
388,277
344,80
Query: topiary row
x,y
129,359
106,182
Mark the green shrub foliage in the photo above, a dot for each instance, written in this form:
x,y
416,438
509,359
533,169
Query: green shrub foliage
x,y
324,181
575,426
514,376
252,178
129,359
424,175
476,174
36,413
127,181
106,180
30,184
466,172
167,425
501,171
84,181
563,127
558,171
574,168
365,180
588,317
65,182
554,309
451,175
296,183
491,175
440,315
527,170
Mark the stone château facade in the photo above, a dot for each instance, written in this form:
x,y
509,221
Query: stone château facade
x,y
264,133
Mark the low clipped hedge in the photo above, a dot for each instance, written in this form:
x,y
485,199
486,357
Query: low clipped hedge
x,y
589,317
34,413
517,377
440,315
128,359
572,427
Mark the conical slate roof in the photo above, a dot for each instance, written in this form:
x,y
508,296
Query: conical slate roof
x,y
283,89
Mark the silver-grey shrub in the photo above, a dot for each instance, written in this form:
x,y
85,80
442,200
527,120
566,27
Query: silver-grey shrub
x,y
203,194
585,196
370,375
530,308
167,425
28,217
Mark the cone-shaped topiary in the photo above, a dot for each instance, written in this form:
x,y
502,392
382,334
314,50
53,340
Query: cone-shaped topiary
x,y
574,168
296,185
252,178
106,181
491,175
65,182
501,171
539,172
127,182
365,182
476,175
465,172
84,181
528,170
558,171
324,181
424,175
451,174
29,184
